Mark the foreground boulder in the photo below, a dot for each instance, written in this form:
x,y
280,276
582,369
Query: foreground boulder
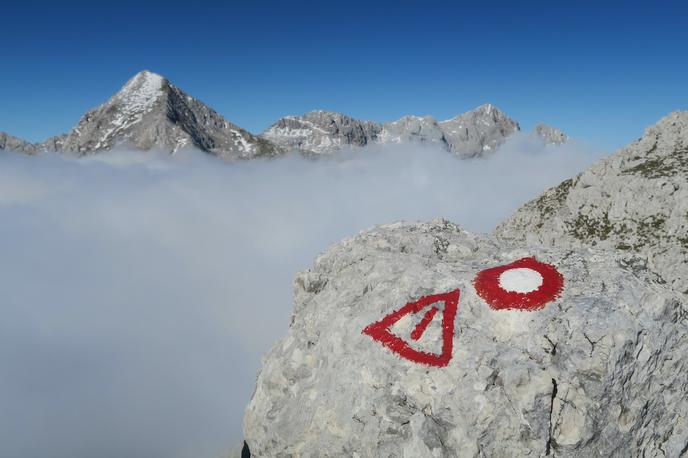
x,y
597,368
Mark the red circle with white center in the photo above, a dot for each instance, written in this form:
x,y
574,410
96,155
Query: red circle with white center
x,y
526,284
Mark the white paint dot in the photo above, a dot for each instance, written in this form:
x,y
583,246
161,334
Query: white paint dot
x,y
520,280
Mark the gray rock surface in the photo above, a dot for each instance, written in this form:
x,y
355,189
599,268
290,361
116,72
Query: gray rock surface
x,y
151,113
473,134
320,132
478,132
550,135
633,204
11,143
601,371
414,129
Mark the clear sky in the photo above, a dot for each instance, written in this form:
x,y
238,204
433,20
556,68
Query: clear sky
x,y
602,71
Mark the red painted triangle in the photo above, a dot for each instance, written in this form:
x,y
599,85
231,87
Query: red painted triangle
x,y
380,330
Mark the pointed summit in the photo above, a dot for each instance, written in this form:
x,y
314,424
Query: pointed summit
x,y
148,112
478,132
143,89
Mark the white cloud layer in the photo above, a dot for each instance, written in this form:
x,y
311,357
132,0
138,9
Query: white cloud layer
x,y
139,291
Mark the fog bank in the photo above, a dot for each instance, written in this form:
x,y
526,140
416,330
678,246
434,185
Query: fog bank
x,y
140,290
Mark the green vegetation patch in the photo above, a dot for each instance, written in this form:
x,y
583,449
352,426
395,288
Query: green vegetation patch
x,y
663,166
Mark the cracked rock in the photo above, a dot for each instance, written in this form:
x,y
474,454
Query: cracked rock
x,y
599,371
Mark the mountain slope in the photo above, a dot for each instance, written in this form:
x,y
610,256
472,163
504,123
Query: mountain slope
x,y
634,202
151,113
11,143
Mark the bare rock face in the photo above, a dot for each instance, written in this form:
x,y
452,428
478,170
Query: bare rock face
x,y
11,143
320,132
633,204
478,132
151,113
473,134
598,368
414,129
550,135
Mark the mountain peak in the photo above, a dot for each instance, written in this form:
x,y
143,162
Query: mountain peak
x,y
147,75
479,131
550,135
486,107
148,112
142,90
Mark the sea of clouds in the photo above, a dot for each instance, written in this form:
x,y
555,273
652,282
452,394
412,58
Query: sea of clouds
x,y
138,291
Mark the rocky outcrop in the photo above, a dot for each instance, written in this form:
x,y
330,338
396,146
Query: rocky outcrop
x,y
550,135
151,113
633,204
473,134
320,132
599,370
11,143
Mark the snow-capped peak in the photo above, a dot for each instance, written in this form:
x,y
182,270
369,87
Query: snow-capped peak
x,y
149,112
142,90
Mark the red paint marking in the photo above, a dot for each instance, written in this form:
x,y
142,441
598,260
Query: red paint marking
x,y
487,286
424,323
380,330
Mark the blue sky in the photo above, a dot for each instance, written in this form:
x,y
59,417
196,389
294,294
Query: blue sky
x,y
602,71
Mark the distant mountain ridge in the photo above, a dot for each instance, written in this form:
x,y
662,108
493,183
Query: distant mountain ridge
x,y
472,134
10,142
150,113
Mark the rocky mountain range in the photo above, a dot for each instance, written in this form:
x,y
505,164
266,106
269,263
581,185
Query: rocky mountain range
x,y
418,339
473,134
150,113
